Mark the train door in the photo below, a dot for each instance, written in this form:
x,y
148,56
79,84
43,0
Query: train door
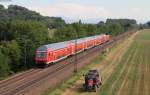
x,y
69,50
50,56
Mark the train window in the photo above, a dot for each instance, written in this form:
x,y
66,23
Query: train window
x,y
41,54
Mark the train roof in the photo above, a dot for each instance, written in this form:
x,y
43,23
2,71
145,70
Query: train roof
x,y
80,40
54,46
60,45
93,37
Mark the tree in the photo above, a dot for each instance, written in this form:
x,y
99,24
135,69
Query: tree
x,y
148,23
91,29
12,49
29,35
21,13
64,33
4,64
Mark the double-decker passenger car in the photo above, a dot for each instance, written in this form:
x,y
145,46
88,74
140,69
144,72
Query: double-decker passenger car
x,y
51,53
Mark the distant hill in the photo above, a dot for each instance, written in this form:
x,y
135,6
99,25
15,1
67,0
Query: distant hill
x,y
20,13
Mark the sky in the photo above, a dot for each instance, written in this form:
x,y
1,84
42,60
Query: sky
x,y
89,11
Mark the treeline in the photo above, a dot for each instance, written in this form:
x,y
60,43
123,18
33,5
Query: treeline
x,y
112,27
23,30
145,25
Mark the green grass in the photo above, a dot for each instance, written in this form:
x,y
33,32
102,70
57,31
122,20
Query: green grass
x,y
115,74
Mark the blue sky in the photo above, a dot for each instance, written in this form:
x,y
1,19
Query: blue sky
x,y
88,10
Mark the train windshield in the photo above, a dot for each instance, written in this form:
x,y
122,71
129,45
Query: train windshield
x,y
41,54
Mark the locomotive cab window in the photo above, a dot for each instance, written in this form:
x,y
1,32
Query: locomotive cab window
x,y
41,54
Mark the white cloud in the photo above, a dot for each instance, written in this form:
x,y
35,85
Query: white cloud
x,y
73,11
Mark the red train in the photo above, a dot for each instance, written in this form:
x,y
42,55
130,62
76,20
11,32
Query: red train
x,y
50,53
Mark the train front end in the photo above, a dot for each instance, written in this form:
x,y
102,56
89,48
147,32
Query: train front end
x,y
41,56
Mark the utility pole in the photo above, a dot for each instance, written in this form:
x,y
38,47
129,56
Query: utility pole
x,y
75,61
76,26
26,45
25,53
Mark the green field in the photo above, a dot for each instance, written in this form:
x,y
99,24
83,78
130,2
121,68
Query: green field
x,y
131,74
125,69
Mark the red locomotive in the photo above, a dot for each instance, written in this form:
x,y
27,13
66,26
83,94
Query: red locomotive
x,y
51,53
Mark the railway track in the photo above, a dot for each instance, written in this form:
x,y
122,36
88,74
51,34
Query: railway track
x,y
68,68
26,78
37,80
26,83
14,78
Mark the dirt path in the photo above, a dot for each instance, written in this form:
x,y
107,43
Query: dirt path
x,y
107,66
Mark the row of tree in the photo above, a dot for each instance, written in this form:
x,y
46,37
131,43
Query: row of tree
x,y
145,25
112,27
22,31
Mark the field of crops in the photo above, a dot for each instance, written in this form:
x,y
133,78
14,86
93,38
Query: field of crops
x,y
125,70
131,74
